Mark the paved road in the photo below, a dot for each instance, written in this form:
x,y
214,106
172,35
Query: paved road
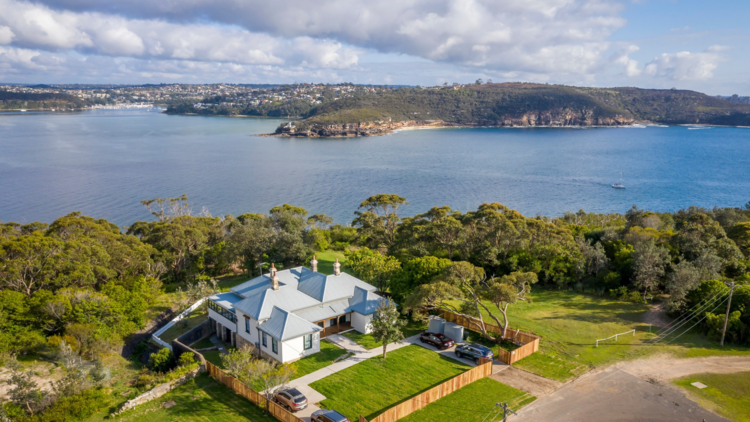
x,y
615,396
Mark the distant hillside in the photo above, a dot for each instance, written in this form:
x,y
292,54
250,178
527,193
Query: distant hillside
x,y
27,101
514,104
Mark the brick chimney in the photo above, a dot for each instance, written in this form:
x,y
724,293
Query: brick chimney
x,y
274,278
314,264
336,267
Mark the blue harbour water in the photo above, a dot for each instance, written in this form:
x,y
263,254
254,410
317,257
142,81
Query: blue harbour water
x,y
105,162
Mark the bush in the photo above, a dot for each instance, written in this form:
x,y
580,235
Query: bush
x,y
186,359
161,361
73,408
145,380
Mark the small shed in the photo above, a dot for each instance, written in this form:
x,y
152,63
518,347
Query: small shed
x,y
437,324
453,331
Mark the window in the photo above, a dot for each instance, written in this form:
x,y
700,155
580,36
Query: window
x,y
308,342
247,325
275,345
333,322
265,340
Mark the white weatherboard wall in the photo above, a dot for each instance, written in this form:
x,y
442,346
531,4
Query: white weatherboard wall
x,y
185,313
294,349
362,323
252,336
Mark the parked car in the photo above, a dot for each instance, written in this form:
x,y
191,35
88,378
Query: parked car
x,y
473,351
325,415
436,339
292,399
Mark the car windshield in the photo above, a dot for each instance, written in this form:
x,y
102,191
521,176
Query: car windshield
x,y
336,416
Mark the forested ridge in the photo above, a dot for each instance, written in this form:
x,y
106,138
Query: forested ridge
x,y
33,101
528,104
85,285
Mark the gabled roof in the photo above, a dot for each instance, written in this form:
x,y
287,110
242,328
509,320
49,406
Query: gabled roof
x,y
259,306
364,302
326,311
327,288
284,325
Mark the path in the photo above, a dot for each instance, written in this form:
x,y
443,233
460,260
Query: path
x,y
656,316
360,354
632,391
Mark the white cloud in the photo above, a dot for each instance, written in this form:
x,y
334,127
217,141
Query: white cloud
x,y
6,35
686,66
35,26
530,36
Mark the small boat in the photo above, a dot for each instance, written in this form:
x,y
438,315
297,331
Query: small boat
x,y
23,111
698,128
619,185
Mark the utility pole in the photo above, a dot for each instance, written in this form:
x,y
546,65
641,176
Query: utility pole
x,y
729,304
506,409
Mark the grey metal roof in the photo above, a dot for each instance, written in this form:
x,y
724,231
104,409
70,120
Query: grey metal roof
x,y
225,300
324,311
364,302
260,305
284,325
327,288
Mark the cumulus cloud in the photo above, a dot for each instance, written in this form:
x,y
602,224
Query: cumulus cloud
x,y
34,26
686,66
530,36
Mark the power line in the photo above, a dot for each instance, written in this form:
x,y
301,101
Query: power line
x,y
649,344
699,304
696,312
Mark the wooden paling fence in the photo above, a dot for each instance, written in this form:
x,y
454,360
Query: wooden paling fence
x,y
530,341
274,409
434,394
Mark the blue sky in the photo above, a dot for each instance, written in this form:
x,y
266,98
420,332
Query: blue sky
x,y
649,43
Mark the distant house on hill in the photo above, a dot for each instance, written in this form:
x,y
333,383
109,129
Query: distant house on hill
x,y
284,314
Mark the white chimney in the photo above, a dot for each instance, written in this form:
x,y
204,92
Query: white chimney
x,y
314,264
274,278
336,267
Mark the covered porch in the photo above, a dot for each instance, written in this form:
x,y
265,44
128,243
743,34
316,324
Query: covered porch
x,y
335,325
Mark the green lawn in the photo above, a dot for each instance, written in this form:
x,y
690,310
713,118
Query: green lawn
x,y
213,356
200,400
570,323
326,260
182,327
726,394
328,353
472,403
370,387
368,341
202,344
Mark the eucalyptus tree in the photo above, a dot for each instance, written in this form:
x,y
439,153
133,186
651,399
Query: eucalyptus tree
x,y
378,220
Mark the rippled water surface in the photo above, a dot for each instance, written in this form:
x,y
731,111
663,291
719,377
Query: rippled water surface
x,y
105,162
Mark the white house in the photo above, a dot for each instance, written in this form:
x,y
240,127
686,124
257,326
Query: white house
x,y
286,313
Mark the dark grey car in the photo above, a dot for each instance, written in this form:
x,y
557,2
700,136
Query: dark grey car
x,y
325,415
473,351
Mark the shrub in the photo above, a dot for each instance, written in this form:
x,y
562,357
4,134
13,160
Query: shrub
x,y
186,359
161,361
145,380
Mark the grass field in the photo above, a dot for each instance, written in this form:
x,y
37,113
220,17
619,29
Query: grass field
x,y
374,385
328,353
368,341
200,400
473,403
726,394
570,323
326,260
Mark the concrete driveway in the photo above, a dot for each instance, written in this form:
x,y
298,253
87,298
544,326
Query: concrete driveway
x,y
613,395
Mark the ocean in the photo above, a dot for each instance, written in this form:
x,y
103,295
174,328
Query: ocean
x,y
104,162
